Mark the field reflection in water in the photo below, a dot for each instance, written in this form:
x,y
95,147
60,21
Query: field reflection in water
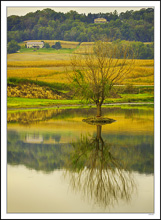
x,y
100,162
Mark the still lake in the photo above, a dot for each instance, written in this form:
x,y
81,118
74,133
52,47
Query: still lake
x,y
56,163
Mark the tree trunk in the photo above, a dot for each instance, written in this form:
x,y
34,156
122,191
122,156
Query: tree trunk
x,y
99,110
99,128
100,142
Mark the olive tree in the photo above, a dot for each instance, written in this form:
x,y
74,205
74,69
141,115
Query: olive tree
x,y
95,73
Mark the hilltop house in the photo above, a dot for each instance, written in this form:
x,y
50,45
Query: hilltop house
x,y
100,20
35,44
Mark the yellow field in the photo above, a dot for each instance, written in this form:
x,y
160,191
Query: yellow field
x,y
84,48
146,63
140,75
30,72
37,56
39,63
61,78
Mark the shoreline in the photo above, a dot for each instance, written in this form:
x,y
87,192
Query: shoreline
x,y
77,105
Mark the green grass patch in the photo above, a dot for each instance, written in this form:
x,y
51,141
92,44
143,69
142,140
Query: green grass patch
x,y
145,97
16,102
46,50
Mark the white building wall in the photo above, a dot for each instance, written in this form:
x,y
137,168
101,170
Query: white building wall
x,y
34,44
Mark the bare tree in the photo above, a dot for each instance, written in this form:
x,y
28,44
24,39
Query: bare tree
x,y
94,74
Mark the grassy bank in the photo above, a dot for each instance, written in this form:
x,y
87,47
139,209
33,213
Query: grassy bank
x,y
15,102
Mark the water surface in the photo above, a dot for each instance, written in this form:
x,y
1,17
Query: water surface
x,y
58,164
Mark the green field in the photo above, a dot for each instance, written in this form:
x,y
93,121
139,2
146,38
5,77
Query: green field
x,y
45,50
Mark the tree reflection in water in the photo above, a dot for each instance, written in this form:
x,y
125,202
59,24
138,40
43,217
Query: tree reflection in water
x,y
93,170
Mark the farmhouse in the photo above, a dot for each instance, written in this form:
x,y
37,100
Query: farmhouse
x,y
100,20
35,44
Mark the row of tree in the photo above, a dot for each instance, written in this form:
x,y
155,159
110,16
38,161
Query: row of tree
x,y
137,50
71,26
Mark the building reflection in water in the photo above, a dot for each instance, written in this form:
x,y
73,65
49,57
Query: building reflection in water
x,y
34,138
95,171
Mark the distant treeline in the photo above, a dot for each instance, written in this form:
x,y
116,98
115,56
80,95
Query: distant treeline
x,y
72,26
136,50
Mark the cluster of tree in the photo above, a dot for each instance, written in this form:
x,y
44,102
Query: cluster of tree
x,y
56,46
12,47
72,26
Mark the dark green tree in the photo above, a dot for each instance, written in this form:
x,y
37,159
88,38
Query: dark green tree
x,y
46,45
12,47
58,45
50,25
